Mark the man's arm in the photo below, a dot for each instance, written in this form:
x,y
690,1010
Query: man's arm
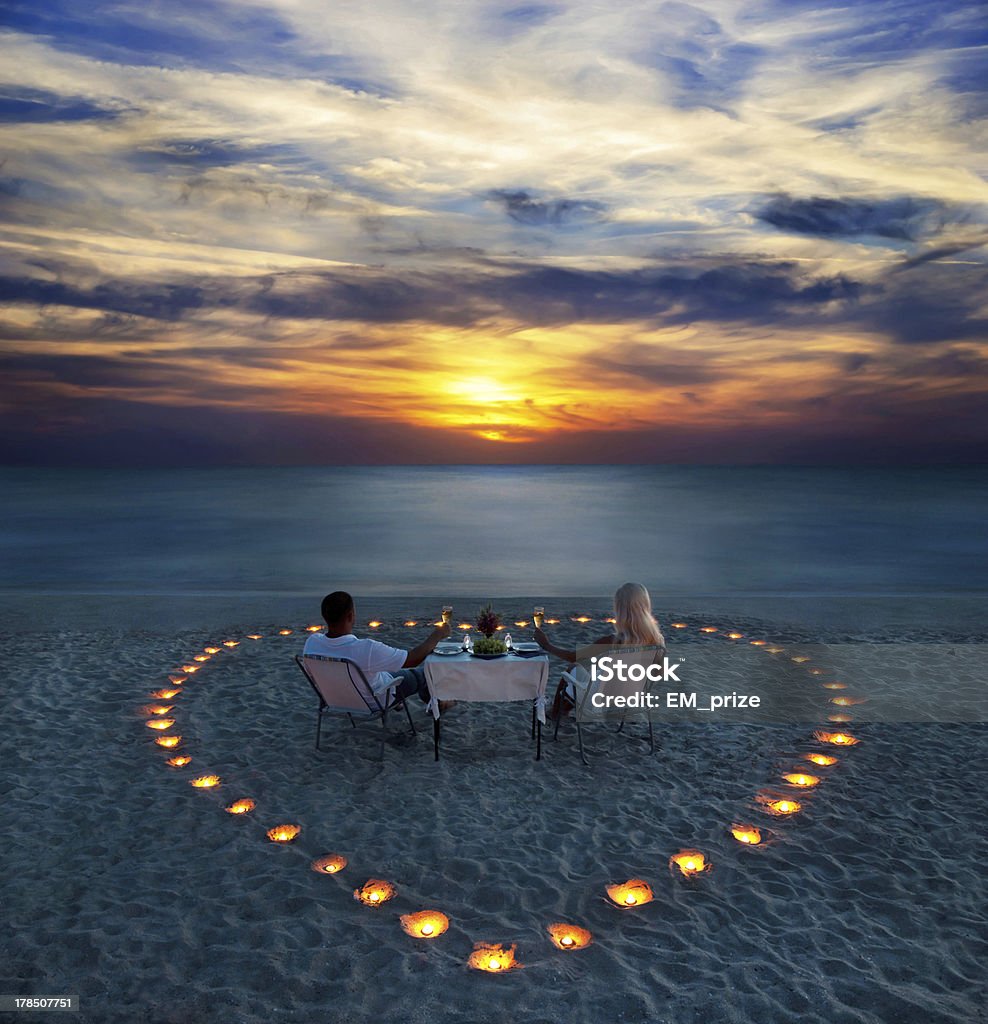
x,y
415,657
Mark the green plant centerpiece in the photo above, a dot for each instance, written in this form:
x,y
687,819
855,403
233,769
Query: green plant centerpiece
x,y
487,622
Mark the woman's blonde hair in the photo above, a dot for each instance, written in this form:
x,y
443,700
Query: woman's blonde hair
x,y
635,622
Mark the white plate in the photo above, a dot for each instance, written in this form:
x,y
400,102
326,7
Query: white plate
x,y
527,647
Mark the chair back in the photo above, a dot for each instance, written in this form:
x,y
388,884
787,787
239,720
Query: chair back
x,y
642,655
340,684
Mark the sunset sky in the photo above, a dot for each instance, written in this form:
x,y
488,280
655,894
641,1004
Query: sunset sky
x,y
293,231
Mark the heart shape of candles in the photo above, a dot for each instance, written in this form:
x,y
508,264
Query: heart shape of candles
x,y
430,924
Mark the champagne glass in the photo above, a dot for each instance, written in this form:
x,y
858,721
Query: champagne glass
x,y
538,616
447,614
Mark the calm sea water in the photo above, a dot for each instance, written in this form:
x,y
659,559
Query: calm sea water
x,y
495,531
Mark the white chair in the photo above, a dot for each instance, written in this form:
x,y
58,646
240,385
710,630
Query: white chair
x,y
577,688
343,689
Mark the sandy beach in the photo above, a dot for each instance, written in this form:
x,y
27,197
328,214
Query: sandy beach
x,y
128,887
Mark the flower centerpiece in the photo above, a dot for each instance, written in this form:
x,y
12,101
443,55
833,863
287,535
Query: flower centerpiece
x,y
487,622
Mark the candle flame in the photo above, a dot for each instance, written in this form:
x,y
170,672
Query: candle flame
x,y
330,864
374,892
160,723
283,833
821,759
411,622
835,686
779,805
211,650
191,669
374,623
582,618
689,862
839,739
254,636
202,657
747,834
312,629
205,781
165,694
847,702
708,629
284,632
758,643
678,625
735,636
179,762
424,924
176,680
244,806
569,936
159,709
632,893
168,741
231,643
496,959
801,780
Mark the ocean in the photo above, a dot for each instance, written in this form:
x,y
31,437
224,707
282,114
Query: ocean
x,y
495,531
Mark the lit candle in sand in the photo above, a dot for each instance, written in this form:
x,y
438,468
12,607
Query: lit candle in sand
x,y
168,741
689,862
330,864
632,893
747,834
801,780
425,924
160,723
823,760
283,833
205,781
374,892
495,959
839,739
569,936
241,807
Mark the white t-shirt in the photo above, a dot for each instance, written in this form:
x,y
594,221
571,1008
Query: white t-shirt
x,y
376,659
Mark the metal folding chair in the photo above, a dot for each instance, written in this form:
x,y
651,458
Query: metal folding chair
x,y
343,689
577,688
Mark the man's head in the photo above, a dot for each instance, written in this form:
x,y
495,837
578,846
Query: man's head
x,y
338,611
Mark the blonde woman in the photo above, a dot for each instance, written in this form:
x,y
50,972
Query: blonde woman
x,y
634,624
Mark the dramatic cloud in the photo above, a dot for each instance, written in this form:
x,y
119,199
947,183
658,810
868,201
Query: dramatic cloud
x,y
273,230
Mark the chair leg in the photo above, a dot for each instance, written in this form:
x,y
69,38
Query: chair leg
x,y
435,736
579,733
533,721
408,714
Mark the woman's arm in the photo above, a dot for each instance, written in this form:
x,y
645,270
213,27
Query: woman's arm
x,y
547,645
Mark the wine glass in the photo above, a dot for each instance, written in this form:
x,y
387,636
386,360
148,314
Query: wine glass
x,y
447,614
538,616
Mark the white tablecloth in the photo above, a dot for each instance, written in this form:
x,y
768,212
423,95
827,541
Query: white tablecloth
x,y
462,677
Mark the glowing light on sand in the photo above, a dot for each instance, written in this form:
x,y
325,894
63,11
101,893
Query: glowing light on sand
x,y
839,739
801,780
496,959
283,833
582,619
330,864
816,671
835,686
231,643
758,643
244,806
708,629
522,623
678,625
211,650
840,719
159,709
689,862
801,659
312,629
374,623
374,892
179,762
205,781
160,723
425,924
775,650
191,669
202,657
168,741
411,622
284,632
823,760
735,636
177,680
847,702
611,621
553,622
632,893
165,694
255,636
464,626
747,834
777,805
569,936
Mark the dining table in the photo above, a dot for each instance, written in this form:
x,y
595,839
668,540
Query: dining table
x,y
456,674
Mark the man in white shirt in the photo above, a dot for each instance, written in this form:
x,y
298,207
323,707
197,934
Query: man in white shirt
x,y
384,666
